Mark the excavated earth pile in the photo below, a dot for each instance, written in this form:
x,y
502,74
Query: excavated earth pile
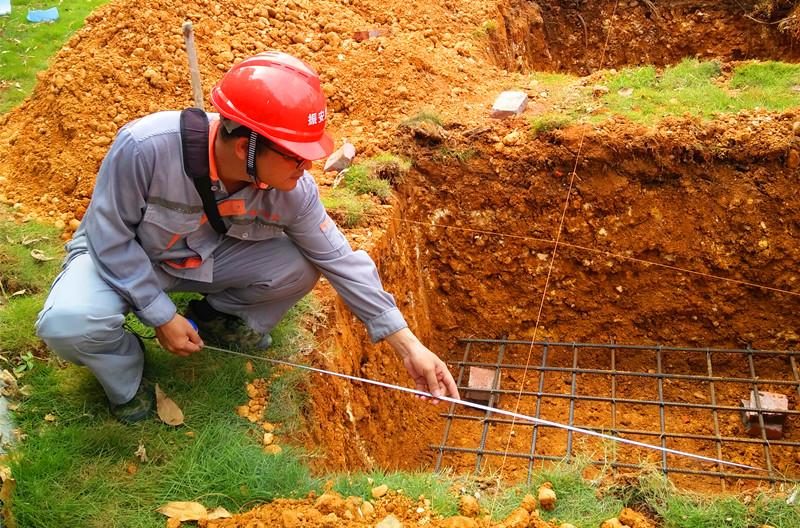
x,y
669,232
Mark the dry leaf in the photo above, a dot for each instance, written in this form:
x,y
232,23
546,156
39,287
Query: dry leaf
x,y
141,452
219,513
184,511
6,493
50,417
10,381
5,470
168,410
38,254
19,292
29,241
625,91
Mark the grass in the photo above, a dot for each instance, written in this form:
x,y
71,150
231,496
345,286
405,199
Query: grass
x,y
24,280
346,207
74,450
375,176
645,95
28,48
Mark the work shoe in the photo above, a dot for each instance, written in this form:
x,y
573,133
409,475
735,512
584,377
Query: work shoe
x,y
224,330
143,403
139,408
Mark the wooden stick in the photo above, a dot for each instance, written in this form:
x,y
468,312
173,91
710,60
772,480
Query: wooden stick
x,y
197,87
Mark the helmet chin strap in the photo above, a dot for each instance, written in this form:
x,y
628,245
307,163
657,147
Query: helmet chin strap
x,y
251,158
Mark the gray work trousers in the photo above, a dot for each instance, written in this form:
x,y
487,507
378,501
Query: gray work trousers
x,y
83,315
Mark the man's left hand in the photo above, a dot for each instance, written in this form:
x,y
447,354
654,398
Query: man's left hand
x,y
430,374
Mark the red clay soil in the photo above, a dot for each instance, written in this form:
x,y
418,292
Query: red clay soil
x,y
669,234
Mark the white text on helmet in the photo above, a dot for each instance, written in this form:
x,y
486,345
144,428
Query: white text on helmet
x,y
316,117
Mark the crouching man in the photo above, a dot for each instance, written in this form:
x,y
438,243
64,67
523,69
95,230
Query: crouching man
x,y
257,247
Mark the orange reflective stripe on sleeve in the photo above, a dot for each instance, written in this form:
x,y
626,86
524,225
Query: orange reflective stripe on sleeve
x,y
325,224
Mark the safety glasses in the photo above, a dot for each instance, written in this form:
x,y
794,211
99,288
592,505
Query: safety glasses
x,y
299,161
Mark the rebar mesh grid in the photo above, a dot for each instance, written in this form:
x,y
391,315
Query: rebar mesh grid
x,y
682,399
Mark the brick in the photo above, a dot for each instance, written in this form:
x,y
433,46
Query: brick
x,y
480,384
774,415
509,104
358,36
341,159
777,403
773,430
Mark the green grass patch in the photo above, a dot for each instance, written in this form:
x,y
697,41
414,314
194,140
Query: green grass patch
x,y
423,116
30,259
550,121
28,48
644,95
79,467
375,177
346,207
462,155
485,29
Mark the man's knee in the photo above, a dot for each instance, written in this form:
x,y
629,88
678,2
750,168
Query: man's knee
x,y
305,276
71,325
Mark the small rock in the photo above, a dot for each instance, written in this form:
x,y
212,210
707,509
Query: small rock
x,y
512,138
612,523
599,90
468,506
74,224
519,518
628,517
379,491
390,522
290,519
272,449
330,502
367,509
547,497
459,521
529,503
796,128
793,159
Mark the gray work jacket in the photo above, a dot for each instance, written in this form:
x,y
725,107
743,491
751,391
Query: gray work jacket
x,y
145,212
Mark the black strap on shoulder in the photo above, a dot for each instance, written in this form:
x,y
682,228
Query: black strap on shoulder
x,y
194,141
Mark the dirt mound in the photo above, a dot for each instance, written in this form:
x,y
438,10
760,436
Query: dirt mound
x,y
129,60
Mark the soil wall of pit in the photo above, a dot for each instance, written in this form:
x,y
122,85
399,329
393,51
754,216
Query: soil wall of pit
x,y
682,235
581,37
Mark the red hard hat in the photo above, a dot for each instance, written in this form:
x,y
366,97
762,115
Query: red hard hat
x,y
278,96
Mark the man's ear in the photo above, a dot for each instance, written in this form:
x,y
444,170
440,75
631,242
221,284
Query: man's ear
x,y
240,147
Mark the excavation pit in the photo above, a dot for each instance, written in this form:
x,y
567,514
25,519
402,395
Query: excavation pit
x,y
669,297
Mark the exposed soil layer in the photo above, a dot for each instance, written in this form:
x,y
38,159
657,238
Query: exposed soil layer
x,y
683,234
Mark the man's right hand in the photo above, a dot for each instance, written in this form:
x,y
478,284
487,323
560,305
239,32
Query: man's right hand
x,y
179,337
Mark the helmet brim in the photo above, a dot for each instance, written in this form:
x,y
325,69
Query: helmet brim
x,y
314,150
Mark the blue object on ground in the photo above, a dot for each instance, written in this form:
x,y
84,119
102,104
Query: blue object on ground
x,y
5,7
45,15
